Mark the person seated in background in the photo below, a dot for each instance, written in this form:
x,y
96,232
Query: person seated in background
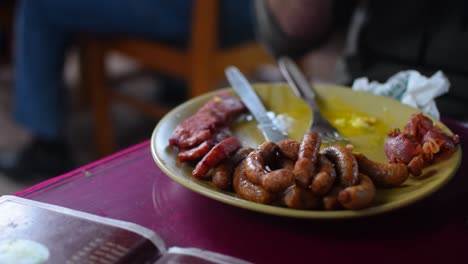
x,y
44,31
387,36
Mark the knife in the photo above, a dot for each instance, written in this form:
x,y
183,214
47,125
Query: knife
x,y
251,100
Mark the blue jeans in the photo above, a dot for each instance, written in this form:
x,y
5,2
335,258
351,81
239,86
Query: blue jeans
x,y
45,27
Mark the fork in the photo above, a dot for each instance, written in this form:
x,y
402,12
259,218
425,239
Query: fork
x,y
305,90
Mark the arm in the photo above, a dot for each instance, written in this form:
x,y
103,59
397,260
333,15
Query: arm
x,y
293,27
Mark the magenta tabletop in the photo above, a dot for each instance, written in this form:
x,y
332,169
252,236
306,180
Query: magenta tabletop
x,y
129,186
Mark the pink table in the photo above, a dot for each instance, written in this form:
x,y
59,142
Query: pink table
x,y
129,186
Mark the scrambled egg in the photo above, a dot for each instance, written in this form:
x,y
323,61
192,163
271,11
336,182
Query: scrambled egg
x,y
356,121
353,123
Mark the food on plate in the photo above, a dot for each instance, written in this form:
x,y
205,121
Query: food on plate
x,y
325,177
261,168
197,152
249,191
217,154
421,143
209,124
382,174
330,200
302,174
358,196
352,122
298,197
345,164
289,148
222,174
307,155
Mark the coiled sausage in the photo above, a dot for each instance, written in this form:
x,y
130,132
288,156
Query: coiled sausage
x,y
222,175
345,164
382,174
247,190
300,198
358,196
325,177
306,163
258,162
289,148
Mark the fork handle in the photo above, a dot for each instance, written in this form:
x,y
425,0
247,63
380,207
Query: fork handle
x,y
298,82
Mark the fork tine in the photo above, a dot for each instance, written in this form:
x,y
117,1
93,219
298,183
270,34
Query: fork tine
x,y
305,90
327,138
331,137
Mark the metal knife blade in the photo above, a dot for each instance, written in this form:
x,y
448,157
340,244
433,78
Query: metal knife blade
x,y
251,100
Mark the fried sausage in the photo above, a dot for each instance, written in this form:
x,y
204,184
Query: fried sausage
x,y
247,190
222,175
286,163
257,162
330,200
218,153
382,174
289,148
260,168
306,163
278,180
345,164
300,198
358,196
325,178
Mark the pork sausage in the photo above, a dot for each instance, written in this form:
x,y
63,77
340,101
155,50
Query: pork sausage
x,y
382,174
345,164
358,196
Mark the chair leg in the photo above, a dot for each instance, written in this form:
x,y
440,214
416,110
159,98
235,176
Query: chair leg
x,y
84,82
200,82
93,74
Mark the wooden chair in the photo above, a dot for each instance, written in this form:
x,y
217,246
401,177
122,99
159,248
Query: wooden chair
x,y
202,64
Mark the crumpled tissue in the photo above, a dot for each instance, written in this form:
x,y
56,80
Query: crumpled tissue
x,y
409,87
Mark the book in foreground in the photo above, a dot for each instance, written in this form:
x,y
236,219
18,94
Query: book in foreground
x,y
35,232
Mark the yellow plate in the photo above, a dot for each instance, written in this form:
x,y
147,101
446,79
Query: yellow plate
x,y
337,103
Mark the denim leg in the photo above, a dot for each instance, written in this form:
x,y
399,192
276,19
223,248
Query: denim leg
x,y
39,103
45,26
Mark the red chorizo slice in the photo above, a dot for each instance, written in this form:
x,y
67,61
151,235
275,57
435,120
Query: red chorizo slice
x,y
222,175
305,166
345,164
193,130
358,196
247,190
195,153
382,174
221,151
325,177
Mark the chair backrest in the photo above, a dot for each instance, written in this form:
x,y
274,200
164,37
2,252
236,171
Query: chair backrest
x,y
201,64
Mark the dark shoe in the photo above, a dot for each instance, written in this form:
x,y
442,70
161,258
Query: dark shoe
x,y
38,161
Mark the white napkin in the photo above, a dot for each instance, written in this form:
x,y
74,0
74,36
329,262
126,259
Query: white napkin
x,y
409,87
